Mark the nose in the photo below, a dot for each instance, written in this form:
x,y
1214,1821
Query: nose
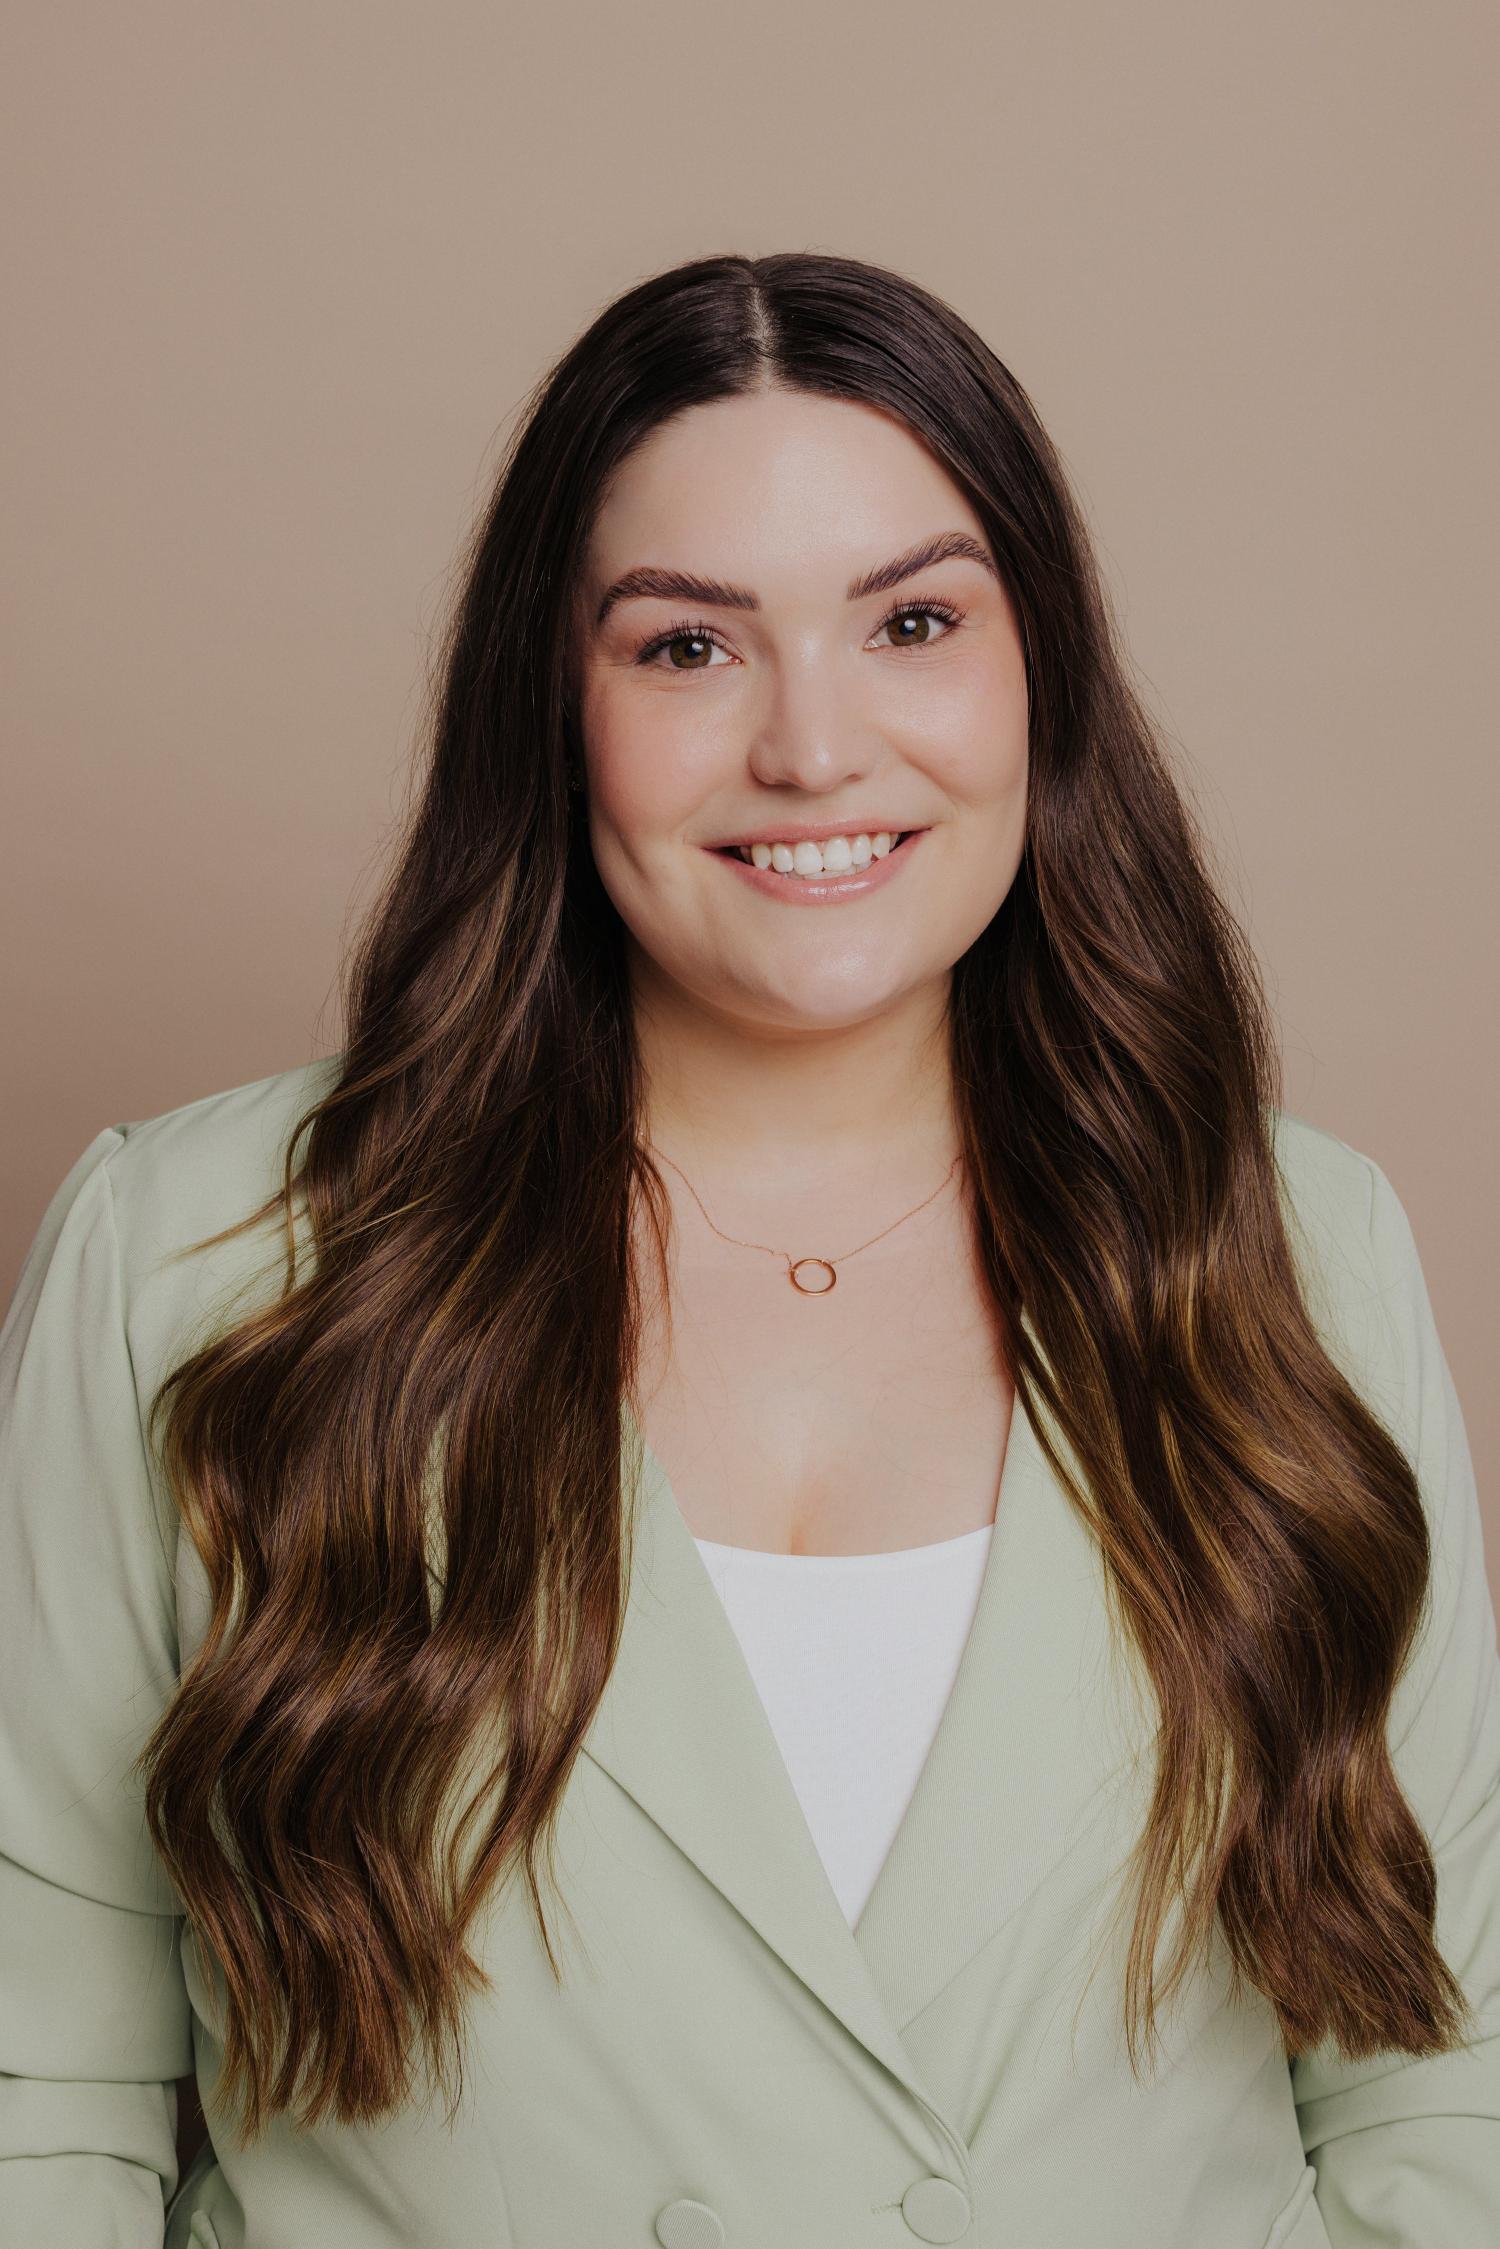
x,y
812,735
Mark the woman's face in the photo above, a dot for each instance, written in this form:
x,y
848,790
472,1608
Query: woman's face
x,y
814,680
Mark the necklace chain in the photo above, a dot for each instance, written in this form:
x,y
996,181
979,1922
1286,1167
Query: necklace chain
x,y
827,1264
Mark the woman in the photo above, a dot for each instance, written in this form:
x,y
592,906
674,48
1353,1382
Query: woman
x,y
792,1384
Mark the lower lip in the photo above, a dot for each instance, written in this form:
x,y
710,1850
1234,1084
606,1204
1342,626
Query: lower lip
x,y
823,890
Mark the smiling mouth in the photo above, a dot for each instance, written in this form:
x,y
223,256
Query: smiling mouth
x,y
805,862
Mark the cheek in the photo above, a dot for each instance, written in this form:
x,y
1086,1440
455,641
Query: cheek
x,y
650,764
974,735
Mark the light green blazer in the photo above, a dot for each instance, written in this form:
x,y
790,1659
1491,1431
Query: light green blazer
x,y
726,2061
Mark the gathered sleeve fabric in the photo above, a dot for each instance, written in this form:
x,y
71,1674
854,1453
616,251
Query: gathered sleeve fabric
x,y
94,2014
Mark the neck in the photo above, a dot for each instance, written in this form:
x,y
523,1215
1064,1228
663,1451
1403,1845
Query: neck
x,y
791,1111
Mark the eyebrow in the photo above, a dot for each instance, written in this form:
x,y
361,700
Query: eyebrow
x,y
681,585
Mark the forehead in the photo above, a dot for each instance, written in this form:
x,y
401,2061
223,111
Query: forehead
x,y
773,488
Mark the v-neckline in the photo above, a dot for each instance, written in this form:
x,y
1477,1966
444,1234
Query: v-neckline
x,y
1025,1758
653,1465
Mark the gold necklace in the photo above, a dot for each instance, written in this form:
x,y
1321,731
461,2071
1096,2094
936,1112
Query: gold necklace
x,y
794,1266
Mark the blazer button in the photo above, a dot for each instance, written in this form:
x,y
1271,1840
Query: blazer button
x,y
936,2210
689,2225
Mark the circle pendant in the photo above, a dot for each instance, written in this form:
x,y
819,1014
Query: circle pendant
x,y
822,1262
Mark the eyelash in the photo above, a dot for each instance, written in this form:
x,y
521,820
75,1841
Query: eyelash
x,y
688,628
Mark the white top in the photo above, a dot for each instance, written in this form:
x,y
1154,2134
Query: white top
x,y
854,1657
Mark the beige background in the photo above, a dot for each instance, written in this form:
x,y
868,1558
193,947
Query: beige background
x,y
277,277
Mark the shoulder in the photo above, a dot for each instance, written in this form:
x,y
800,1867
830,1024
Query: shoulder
x,y
188,1173
193,1169
1327,1184
1359,1267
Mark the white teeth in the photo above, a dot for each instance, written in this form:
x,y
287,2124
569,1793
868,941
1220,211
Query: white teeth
x,y
840,855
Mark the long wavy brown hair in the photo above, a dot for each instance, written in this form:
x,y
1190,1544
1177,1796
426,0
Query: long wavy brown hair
x,y
456,1236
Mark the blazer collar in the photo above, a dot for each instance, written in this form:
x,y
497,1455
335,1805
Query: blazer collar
x,y
1033,1734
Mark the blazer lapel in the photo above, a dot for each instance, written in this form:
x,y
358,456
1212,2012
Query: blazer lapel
x,y
1017,1771
682,1729
1041,1723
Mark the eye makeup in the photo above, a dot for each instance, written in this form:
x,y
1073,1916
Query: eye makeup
x,y
691,628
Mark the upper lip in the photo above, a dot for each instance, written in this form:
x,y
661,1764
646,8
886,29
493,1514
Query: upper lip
x,y
812,831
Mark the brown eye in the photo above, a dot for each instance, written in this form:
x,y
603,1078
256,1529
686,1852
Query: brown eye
x,y
691,647
911,627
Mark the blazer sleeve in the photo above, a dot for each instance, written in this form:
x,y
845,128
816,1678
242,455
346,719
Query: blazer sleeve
x,y
94,2014
1407,2150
